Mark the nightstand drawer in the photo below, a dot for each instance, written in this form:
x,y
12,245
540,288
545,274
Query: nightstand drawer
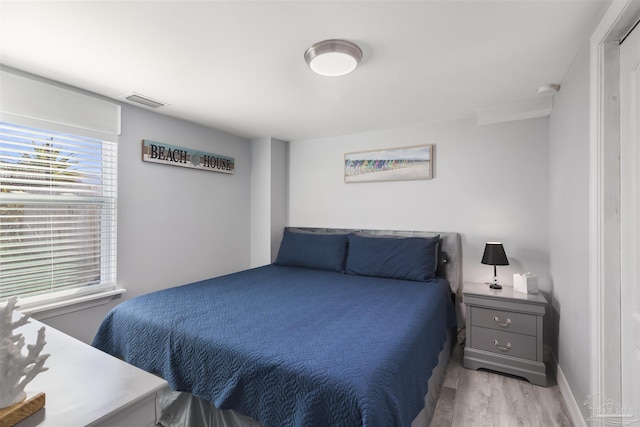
x,y
501,342
503,320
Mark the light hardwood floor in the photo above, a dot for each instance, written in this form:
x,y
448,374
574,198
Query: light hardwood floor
x,y
484,398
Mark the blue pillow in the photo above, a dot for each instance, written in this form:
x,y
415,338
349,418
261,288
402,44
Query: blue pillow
x,y
313,250
408,258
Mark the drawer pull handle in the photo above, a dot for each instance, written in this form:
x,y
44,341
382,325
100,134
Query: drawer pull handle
x,y
505,348
505,324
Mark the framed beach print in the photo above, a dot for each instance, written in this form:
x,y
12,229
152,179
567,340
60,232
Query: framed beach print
x,y
395,164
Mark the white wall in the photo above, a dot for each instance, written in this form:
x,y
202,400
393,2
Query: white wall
x,y
490,183
175,225
268,198
260,202
569,227
279,194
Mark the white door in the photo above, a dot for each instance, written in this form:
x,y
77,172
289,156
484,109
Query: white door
x,y
630,227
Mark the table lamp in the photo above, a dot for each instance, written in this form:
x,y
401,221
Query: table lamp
x,y
494,255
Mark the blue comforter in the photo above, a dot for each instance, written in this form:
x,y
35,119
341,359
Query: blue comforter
x,y
291,346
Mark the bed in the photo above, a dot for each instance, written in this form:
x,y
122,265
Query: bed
x,y
344,329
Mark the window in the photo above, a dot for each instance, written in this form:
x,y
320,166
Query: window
x,y
57,214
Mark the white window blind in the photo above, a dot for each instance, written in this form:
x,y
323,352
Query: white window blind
x,y
57,214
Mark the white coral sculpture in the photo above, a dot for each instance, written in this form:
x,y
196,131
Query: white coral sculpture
x,y
16,368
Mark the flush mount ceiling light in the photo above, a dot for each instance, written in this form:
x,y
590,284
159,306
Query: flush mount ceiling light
x,y
333,57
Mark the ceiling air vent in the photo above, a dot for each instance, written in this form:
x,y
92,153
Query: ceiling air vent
x,y
144,100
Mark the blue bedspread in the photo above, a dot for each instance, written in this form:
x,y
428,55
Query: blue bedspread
x,y
291,346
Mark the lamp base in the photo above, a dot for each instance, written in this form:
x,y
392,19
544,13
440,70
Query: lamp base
x,y
494,283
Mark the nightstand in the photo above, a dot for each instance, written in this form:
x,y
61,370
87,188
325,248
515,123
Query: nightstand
x,y
504,331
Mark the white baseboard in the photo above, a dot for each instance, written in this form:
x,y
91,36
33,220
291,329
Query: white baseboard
x,y
565,391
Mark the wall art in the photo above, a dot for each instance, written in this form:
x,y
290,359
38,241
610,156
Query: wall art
x,y
395,164
158,152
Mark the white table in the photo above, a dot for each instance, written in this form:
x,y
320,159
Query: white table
x,y
87,387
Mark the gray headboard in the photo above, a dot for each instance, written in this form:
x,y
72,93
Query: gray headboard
x,y
450,257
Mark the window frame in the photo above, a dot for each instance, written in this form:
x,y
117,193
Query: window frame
x,y
108,251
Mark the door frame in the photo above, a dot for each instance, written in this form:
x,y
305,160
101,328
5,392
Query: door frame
x,y
604,199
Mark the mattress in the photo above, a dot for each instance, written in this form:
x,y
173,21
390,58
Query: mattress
x,y
291,346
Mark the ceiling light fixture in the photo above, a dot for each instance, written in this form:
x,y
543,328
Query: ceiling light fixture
x,y
333,57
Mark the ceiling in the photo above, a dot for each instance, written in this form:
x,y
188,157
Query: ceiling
x,y
238,66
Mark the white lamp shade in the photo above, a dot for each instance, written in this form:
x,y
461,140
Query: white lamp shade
x,y
333,64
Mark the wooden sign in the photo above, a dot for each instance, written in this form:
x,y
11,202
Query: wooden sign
x,y
158,152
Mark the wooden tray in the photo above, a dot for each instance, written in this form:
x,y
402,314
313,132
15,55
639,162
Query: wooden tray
x,y
12,415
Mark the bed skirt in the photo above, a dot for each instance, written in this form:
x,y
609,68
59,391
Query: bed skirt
x,y
182,409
